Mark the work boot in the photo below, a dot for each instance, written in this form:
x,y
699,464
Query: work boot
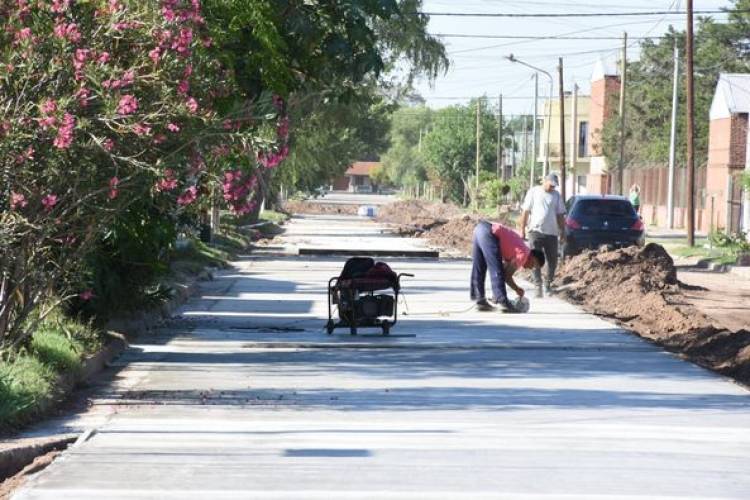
x,y
506,306
538,294
483,306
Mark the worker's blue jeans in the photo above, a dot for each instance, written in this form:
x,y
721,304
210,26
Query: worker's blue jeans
x,y
485,256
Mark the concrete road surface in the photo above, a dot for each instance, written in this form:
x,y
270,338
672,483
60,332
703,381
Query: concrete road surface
x,y
245,396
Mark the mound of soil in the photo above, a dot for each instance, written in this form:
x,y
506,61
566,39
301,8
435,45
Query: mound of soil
x,y
416,216
308,207
455,234
639,288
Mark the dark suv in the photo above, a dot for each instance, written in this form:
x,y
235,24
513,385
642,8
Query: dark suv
x,y
597,220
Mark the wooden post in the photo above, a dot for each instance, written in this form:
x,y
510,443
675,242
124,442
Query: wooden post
x,y
620,189
479,136
690,127
562,130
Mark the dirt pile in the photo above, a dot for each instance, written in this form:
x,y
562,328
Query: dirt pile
x,y
309,207
639,288
416,216
455,234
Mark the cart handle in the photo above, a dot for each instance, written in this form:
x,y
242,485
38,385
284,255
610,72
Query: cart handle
x,y
408,275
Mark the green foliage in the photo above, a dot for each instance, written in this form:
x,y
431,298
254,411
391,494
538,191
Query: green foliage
x,y
745,180
719,47
736,244
127,262
450,146
403,162
25,384
331,135
28,377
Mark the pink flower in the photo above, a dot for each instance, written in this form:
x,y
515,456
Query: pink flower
x,y
60,6
108,144
168,14
141,129
28,154
187,71
65,133
192,104
128,104
173,127
17,200
160,138
82,96
68,32
182,43
23,34
49,106
48,122
207,42
128,78
86,295
188,196
168,183
49,202
183,87
154,54
113,192
103,58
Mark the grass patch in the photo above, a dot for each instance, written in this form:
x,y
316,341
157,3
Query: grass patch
x,y
28,377
26,384
274,216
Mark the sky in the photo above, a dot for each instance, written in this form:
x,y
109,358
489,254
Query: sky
x,y
478,65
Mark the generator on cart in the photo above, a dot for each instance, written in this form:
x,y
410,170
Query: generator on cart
x,y
353,294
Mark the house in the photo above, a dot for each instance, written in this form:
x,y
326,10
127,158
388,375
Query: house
x,y
577,139
357,178
728,153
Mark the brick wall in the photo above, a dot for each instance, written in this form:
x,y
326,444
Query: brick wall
x,y
603,106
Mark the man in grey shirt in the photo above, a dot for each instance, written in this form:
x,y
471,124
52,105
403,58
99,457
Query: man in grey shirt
x,y
543,221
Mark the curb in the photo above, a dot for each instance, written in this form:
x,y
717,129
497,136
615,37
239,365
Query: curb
x,y
14,457
13,460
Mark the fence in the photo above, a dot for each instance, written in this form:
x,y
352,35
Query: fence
x,y
711,213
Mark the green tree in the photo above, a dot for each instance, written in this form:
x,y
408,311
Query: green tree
x,y
450,146
403,162
719,47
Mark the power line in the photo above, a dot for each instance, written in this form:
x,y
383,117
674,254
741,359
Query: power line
x,y
584,14
550,37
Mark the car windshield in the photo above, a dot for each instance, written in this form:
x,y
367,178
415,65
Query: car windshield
x,y
605,208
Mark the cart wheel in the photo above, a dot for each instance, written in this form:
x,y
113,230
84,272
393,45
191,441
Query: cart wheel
x,y
329,327
386,329
353,330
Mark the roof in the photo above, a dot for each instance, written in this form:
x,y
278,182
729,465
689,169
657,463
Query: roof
x,y
362,167
732,95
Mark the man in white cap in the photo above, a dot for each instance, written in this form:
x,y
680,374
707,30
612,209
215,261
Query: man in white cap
x,y
543,222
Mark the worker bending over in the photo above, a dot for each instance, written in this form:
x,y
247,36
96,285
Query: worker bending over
x,y
502,252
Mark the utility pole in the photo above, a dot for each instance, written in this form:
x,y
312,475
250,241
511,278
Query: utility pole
x,y
673,138
574,139
562,130
479,136
525,156
690,127
500,165
533,129
419,147
623,78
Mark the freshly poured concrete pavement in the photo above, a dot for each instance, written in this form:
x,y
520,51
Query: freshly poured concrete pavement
x,y
245,396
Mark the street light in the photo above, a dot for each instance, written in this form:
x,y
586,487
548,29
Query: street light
x,y
514,59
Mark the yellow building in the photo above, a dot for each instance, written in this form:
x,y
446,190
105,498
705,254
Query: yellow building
x,y
577,137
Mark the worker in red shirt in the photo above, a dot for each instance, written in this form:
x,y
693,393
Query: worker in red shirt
x,y
502,252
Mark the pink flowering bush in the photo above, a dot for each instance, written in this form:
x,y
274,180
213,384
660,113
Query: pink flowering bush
x,y
102,103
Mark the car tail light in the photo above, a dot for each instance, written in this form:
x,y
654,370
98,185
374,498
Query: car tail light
x,y
638,226
572,223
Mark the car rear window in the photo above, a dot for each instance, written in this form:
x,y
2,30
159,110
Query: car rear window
x,y
607,208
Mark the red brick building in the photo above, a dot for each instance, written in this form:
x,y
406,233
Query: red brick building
x,y
357,178
727,150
